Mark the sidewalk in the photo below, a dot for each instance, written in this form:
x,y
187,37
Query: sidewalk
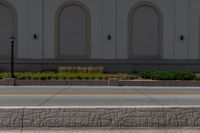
x,y
184,130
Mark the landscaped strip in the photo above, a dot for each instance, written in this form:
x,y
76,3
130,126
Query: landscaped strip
x,y
148,78
154,75
67,75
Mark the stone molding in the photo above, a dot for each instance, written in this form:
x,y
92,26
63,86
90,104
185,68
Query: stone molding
x,y
100,117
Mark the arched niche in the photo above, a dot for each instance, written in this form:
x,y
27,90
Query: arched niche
x,y
73,31
145,31
7,28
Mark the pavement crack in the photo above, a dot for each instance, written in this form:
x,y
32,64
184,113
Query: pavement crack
x,y
22,120
51,97
149,97
155,101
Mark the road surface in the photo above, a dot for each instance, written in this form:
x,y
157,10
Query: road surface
x,y
98,96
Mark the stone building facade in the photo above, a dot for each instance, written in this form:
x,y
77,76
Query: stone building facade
x,y
122,35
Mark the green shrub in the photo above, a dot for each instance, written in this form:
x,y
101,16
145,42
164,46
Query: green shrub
x,y
167,75
4,75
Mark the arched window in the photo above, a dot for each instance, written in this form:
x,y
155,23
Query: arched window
x,y
73,31
7,28
145,31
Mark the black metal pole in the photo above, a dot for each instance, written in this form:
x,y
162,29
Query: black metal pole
x,y
12,59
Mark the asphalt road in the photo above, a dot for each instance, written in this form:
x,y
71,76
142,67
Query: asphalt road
x,y
98,96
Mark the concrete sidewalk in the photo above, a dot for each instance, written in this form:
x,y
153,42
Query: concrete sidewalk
x,y
183,130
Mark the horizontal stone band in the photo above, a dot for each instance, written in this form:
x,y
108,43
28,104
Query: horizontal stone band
x,y
97,117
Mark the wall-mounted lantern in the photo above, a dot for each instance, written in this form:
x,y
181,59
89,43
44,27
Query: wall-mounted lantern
x,y
181,37
35,36
109,37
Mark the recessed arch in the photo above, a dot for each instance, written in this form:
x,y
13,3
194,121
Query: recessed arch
x,y
145,31
73,31
8,26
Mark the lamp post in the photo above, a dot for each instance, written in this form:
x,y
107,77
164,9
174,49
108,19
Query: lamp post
x,y
12,41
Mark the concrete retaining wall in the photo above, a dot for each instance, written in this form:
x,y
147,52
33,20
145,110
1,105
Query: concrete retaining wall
x,y
95,117
110,82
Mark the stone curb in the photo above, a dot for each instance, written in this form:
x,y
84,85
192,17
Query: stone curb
x,y
110,82
99,117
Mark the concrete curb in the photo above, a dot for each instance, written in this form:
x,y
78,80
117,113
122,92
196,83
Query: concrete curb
x,y
110,82
100,117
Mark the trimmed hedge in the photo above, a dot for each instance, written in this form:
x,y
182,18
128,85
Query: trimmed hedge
x,y
4,75
197,76
154,75
168,75
67,75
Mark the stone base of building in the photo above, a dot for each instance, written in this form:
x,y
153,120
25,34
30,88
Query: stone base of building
x,y
111,66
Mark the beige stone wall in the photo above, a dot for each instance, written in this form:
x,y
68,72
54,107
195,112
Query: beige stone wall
x,y
109,18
